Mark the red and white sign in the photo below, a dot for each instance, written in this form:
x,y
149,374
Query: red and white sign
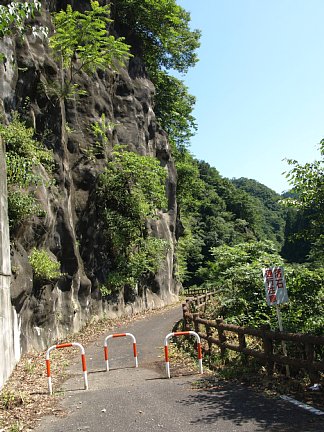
x,y
275,285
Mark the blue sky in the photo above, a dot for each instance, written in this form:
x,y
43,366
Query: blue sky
x,y
259,85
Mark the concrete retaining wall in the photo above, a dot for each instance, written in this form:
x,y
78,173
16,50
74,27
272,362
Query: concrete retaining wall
x,y
9,328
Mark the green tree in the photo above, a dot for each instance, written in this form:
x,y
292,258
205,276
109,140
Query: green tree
x,y
173,109
272,216
158,31
295,248
129,192
81,41
308,197
213,212
305,310
308,187
235,271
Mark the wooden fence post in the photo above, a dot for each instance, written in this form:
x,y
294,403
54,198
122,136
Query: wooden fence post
x,y
186,321
196,324
310,356
221,337
209,334
268,348
206,300
242,345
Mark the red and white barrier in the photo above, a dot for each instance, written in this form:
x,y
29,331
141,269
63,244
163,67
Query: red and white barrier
x,y
117,335
83,359
166,349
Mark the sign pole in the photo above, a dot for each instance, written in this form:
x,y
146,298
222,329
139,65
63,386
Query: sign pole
x,y
283,343
276,294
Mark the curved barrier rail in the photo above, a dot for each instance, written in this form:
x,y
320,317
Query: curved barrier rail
x,y
117,335
83,359
166,349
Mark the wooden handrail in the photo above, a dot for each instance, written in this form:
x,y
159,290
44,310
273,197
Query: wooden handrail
x,y
267,336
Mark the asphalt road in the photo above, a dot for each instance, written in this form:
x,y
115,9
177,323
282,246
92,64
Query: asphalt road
x,y
126,399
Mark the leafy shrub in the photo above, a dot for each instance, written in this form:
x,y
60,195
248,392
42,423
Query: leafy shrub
x,y
145,257
130,191
236,272
24,155
305,310
20,141
44,267
99,131
21,206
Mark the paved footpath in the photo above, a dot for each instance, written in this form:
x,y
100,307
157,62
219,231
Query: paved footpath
x,y
126,399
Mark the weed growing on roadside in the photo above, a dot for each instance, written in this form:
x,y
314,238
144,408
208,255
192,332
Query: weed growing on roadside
x,y
10,399
17,427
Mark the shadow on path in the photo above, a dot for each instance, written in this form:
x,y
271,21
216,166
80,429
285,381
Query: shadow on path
x,y
241,405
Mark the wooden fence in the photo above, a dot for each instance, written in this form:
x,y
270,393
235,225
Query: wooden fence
x,y
217,332
194,291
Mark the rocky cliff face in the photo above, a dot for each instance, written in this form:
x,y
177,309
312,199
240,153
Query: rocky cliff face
x,y
68,228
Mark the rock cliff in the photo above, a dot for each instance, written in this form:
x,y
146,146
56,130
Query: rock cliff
x,y
68,227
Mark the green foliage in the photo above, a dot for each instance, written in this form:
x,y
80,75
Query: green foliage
x,y
83,37
21,206
240,214
316,255
159,30
307,196
305,310
236,273
23,152
13,19
190,187
19,170
159,33
133,184
189,252
11,398
99,131
271,220
145,257
296,247
45,268
24,156
308,187
13,16
174,106
215,212
17,427
130,191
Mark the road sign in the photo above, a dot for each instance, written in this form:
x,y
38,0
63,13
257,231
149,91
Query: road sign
x,y
275,285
